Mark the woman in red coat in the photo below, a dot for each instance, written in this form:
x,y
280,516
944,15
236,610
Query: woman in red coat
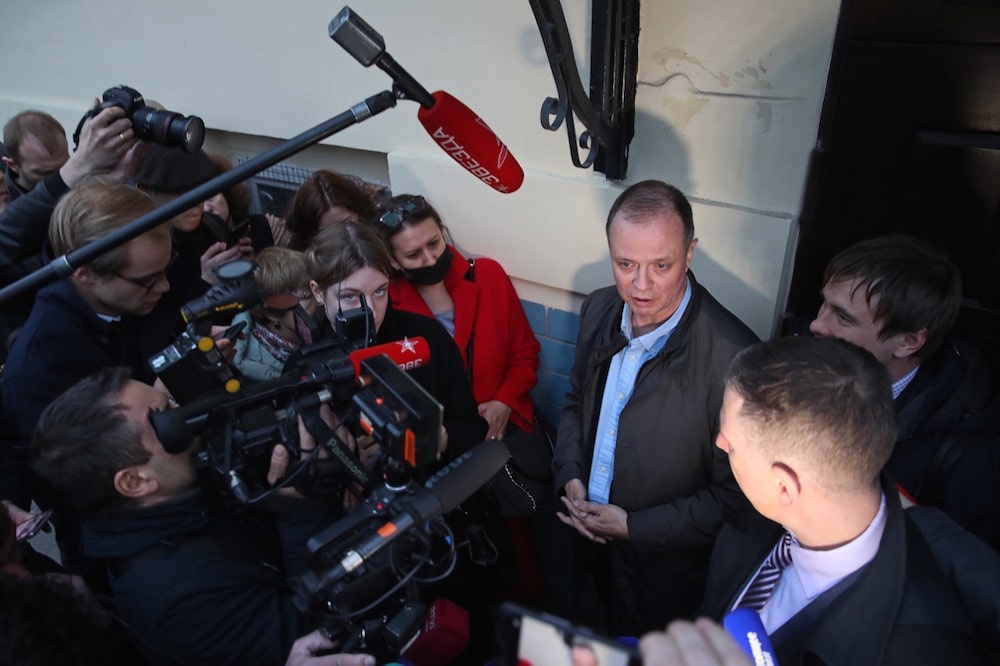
x,y
475,301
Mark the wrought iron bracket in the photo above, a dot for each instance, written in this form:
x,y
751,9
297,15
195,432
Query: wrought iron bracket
x,y
608,112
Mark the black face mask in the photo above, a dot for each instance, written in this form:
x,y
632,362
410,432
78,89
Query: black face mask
x,y
430,274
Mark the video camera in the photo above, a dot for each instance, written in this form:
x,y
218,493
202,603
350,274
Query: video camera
x,y
240,422
160,126
367,569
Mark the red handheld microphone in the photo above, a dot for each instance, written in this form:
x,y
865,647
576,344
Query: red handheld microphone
x,y
408,353
470,142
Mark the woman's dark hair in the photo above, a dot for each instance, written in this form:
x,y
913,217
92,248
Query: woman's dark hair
x,y
339,251
318,194
238,196
398,212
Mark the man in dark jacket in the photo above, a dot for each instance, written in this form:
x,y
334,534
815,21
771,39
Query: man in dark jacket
x,y
839,573
104,314
195,583
635,452
38,172
898,297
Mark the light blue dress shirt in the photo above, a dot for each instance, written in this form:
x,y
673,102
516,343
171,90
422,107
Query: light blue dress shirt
x,y
622,373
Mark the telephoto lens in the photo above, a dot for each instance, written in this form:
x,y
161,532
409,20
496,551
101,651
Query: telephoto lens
x,y
168,128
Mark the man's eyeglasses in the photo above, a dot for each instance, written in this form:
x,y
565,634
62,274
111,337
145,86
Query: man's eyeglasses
x,y
148,283
394,217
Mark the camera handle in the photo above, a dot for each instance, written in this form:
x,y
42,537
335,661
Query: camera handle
x,y
65,264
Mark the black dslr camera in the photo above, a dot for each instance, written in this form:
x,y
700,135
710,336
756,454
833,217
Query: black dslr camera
x,y
150,124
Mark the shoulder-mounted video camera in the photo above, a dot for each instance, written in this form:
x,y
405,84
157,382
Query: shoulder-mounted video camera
x,y
160,126
239,421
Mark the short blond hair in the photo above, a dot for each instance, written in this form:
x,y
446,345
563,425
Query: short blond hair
x,y
280,270
95,209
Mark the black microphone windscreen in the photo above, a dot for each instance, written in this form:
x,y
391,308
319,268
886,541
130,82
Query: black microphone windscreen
x,y
468,473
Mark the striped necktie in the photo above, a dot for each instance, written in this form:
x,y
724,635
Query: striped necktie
x,y
759,591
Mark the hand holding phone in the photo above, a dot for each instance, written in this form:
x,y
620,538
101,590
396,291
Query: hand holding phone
x,y
531,637
32,526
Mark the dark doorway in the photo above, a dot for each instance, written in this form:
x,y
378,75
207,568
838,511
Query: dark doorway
x,y
909,142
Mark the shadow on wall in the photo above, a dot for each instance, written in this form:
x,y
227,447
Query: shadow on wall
x,y
595,275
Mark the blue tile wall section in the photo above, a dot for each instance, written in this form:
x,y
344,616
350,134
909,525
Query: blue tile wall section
x,y
536,317
564,325
556,331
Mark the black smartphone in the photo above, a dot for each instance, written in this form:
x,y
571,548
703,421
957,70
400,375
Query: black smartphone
x,y
531,638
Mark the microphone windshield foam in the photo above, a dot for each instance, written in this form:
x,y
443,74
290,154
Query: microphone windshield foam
x,y
470,142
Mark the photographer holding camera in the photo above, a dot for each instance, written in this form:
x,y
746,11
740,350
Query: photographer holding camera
x,y
39,171
195,582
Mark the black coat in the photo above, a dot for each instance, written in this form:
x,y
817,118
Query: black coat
x,y
901,609
24,228
198,585
947,452
675,484
64,340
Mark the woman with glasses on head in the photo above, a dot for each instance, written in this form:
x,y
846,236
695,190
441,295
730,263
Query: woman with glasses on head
x,y
475,301
282,323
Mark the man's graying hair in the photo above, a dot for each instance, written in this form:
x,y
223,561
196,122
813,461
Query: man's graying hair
x,y
652,197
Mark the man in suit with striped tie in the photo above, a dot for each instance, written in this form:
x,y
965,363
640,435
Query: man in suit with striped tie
x,y
836,569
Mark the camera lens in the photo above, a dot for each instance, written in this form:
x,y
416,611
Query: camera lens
x,y
169,129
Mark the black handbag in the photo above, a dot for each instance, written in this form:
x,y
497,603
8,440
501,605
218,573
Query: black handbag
x,y
527,477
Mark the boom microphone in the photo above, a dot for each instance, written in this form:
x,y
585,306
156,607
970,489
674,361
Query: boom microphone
x,y
470,142
408,353
744,625
444,491
453,126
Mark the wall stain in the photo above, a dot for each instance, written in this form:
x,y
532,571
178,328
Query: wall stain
x,y
681,111
750,81
763,114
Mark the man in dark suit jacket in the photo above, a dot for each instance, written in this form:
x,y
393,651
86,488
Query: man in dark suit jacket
x,y
808,425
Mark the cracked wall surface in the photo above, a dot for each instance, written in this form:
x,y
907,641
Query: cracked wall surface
x,y
727,107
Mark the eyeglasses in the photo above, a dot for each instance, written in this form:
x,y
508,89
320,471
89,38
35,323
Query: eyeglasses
x,y
149,282
279,304
394,217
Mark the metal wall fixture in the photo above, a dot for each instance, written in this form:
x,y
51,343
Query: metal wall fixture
x,y
608,113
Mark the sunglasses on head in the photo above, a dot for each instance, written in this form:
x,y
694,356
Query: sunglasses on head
x,y
394,217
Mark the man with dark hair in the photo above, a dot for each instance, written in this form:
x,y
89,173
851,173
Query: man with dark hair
x,y
193,581
635,452
839,573
898,297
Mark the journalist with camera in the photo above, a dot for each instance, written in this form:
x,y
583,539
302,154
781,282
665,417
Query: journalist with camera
x,y
150,123
194,581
